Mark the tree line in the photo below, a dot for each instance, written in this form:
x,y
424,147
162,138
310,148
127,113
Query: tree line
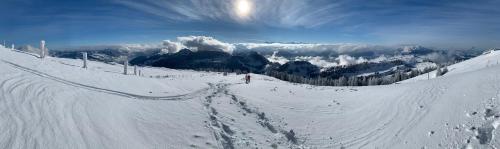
x,y
368,80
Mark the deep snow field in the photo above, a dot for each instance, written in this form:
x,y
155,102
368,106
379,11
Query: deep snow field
x,y
54,103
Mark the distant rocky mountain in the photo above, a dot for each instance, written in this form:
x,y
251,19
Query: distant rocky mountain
x,y
216,60
300,68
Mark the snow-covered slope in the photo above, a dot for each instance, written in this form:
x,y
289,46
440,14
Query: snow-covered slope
x,y
488,59
53,103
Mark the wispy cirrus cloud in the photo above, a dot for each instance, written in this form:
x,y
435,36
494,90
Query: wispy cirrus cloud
x,y
441,23
275,13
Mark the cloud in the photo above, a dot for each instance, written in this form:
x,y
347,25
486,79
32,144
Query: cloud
x,y
198,43
435,57
325,55
321,55
336,49
316,60
277,59
281,46
379,59
193,43
139,47
346,60
342,60
444,23
276,13
172,47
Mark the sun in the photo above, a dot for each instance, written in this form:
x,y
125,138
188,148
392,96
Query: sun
x,y
243,8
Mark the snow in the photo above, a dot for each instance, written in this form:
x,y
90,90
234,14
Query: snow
x,y
54,103
423,65
490,59
277,59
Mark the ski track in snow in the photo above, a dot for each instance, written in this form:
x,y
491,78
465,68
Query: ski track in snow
x,y
31,118
27,115
109,91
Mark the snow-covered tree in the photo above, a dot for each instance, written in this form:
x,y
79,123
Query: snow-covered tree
x,y
372,81
445,70
364,81
438,71
414,73
342,81
135,70
397,77
353,81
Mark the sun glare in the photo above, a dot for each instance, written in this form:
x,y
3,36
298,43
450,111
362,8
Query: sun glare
x,y
243,8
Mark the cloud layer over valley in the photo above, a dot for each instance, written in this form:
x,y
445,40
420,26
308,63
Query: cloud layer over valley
x,y
321,55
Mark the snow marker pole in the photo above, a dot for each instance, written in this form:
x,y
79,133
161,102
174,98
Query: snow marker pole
x,y
42,49
125,65
85,60
135,70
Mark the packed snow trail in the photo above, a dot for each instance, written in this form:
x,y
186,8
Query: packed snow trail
x,y
53,103
236,124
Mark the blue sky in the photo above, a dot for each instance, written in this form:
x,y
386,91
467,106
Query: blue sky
x,y
440,23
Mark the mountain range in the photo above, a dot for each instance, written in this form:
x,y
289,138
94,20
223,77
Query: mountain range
x,y
307,64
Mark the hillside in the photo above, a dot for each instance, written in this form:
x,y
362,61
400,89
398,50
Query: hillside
x,y
54,103
488,59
